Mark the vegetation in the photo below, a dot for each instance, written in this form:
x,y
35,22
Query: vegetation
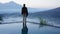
x,y
1,19
42,21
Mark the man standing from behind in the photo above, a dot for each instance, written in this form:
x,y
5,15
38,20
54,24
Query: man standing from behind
x,y
25,14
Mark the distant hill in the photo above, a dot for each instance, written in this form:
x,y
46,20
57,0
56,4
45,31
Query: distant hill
x,y
12,7
54,13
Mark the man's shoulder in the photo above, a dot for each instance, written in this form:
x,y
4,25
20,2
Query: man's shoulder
x,y
24,7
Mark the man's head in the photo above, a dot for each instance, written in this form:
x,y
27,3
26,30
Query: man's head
x,y
23,5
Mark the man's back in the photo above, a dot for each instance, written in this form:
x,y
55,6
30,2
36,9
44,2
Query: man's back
x,y
24,11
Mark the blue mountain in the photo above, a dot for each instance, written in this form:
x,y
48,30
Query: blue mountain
x,y
13,7
10,5
53,13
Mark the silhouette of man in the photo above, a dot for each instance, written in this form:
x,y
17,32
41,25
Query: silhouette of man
x,y
24,10
25,14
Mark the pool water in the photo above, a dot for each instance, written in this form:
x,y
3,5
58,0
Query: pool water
x,y
31,28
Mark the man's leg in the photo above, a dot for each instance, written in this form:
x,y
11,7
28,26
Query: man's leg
x,y
24,21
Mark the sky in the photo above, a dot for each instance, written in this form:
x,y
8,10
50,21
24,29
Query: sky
x,y
36,3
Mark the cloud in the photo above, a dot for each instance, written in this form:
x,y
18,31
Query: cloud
x,y
36,3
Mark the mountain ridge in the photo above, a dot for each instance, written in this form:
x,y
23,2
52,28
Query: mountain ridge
x,y
55,13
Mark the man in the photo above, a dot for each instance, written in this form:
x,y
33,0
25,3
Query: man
x,y
25,14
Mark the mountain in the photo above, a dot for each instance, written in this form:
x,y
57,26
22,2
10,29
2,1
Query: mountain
x,y
12,7
54,13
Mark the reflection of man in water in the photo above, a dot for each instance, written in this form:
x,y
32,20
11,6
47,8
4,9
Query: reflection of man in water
x,y
25,14
25,30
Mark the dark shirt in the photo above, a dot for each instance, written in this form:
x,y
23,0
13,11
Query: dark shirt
x,y
24,11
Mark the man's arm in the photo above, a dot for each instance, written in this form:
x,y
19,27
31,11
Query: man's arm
x,y
27,11
22,11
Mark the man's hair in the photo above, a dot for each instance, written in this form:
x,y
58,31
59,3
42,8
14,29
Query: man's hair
x,y
24,5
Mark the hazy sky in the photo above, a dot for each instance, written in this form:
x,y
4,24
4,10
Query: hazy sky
x,y
36,3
